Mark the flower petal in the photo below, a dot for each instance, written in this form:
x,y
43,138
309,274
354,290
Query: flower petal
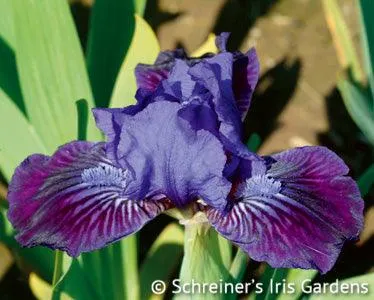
x,y
77,200
221,41
245,77
298,214
184,164
148,77
215,74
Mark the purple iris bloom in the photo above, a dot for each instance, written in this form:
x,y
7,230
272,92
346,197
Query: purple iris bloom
x,y
215,92
292,209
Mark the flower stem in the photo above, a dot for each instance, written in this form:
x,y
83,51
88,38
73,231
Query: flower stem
x,y
202,261
57,272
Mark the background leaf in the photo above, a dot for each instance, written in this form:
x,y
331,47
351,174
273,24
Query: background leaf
x,y
111,31
343,43
9,81
144,48
366,180
367,30
166,249
367,279
357,104
140,6
18,138
51,69
208,46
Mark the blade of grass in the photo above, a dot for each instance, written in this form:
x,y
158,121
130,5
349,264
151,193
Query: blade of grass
x,y
343,43
57,274
357,104
365,282
239,265
143,49
208,46
366,180
168,249
112,28
130,271
297,277
269,279
18,138
140,6
9,80
51,69
366,8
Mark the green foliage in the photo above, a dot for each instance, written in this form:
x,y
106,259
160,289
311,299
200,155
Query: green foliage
x,y
166,250
357,102
144,48
367,280
51,69
112,28
18,138
358,97
367,35
343,42
366,180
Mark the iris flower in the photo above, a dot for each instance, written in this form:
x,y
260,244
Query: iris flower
x,y
180,147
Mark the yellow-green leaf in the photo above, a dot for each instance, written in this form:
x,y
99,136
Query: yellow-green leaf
x,y
143,49
168,249
18,138
51,69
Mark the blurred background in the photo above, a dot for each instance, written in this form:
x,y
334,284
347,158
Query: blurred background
x,y
296,103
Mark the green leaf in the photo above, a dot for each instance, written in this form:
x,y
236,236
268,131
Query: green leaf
x,y
366,180
168,249
208,46
140,6
9,80
239,265
367,30
269,279
111,31
364,283
61,267
51,69
254,142
74,282
38,259
225,248
18,138
343,43
357,104
297,277
42,289
144,48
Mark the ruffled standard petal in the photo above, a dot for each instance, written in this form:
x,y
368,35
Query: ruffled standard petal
x,y
298,213
246,72
215,74
76,200
148,77
183,164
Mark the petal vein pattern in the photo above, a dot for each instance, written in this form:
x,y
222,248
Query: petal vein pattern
x,y
296,214
77,200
